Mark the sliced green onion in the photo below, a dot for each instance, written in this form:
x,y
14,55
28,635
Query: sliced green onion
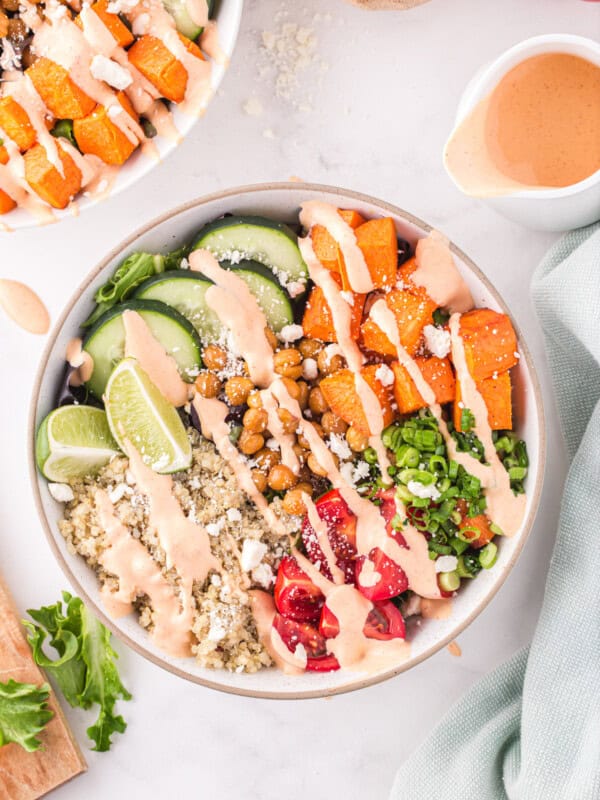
x,y
427,440
449,581
468,534
438,464
517,473
370,455
458,545
471,562
421,502
461,569
453,470
467,420
407,456
440,549
488,555
403,494
397,522
496,529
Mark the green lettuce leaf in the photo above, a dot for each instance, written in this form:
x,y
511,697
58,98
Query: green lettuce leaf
x,y
84,668
133,271
23,713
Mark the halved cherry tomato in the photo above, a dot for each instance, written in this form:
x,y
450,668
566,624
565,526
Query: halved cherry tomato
x,y
388,509
392,579
301,633
384,622
341,530
296,596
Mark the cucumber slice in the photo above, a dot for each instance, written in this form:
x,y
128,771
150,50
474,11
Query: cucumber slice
x,y
186,292
183,22
273,300
257,239
106,341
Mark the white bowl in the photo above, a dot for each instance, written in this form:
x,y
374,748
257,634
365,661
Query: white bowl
x,y
541,209
280,201
228,14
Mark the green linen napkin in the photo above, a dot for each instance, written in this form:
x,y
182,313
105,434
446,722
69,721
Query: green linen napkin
x,y
531,729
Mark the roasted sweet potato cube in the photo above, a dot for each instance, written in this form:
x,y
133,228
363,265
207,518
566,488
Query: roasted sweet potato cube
x,y
497,394
340,393
16,124
317,322
6,202
326,248
412,313
46,180
490,342
158,65
61,96
379,244
98,135
437,372
120,32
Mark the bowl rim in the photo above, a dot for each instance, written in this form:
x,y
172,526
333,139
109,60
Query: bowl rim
x,y
141,169
492,72
112,625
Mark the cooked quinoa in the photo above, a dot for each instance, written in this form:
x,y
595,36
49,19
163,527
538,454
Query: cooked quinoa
x,y
209,494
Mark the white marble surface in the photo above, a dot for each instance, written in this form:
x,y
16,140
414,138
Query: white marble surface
x,y
381,113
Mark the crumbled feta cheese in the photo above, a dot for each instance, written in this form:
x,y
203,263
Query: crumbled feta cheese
x,y
300,654
218,628
252,554
384,375
272,444
361,470
121,6
420,490
309,369
141,24
104,69
437,340
347,473
446,563
339,446
291,333
263,575
61,492
348,297
119,492
215,579
234,515
215,528
295,288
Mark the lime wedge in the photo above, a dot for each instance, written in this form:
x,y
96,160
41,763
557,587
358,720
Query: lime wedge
x,y
74,441
137,412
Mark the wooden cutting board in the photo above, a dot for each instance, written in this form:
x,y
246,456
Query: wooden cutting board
x,y
26,776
